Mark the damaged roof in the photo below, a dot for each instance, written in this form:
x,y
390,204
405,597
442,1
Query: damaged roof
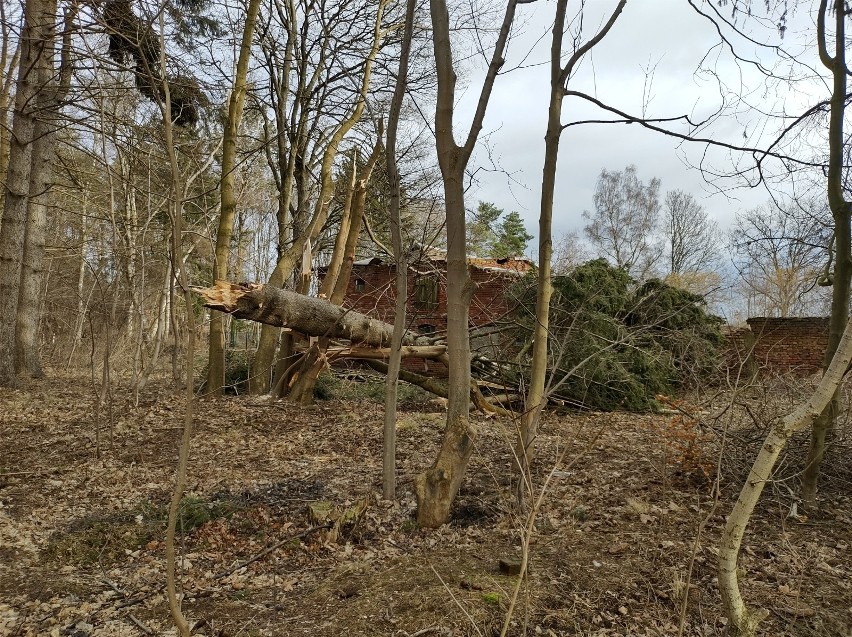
x,y
518,265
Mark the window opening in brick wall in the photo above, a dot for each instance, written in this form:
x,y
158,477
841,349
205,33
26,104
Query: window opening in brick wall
x,y
360,285
426,293
426,330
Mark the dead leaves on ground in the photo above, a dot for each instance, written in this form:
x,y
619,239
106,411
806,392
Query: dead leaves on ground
x,y
81,553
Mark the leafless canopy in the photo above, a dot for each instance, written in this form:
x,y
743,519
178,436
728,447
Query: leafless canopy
x,y
692,237
625,219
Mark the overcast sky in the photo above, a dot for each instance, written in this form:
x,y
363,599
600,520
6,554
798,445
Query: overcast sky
x,y
667,35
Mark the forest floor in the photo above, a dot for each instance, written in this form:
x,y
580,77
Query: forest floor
x,y
82,532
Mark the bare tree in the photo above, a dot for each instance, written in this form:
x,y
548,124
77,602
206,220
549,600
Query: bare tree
x,y
10,51
228,203
745,621
336,279
53,87
401,283
820,411
624,224
839,204
36,64
780,255
437,487
559,76
318,86
179,183
692,238
569,251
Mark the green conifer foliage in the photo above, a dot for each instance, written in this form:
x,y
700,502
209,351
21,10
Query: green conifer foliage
x,y
493,233
615,346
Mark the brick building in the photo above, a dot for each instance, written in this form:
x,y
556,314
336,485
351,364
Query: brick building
x,y
779,345
372,291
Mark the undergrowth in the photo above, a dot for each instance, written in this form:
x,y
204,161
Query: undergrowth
x,y
107,539
370,388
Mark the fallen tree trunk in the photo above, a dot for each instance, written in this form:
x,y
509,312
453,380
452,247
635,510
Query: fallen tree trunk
x,y
432,352
311,316
306,314
432,385
440,389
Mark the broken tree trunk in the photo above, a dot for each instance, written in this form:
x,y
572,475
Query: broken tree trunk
x,y
370,338
305,314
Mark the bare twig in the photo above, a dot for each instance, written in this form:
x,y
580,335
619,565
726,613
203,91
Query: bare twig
x,y
113,586
138,600
140,625
530,526
423,631
269,549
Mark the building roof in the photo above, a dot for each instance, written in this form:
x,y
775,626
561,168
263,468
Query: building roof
x,y
368,261
516,265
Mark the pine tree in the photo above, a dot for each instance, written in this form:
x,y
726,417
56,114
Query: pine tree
x,y
480,228
511,238
493,233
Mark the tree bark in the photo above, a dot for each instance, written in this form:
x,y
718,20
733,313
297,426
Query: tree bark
x,y
437,487
401,280
82,299
36,44
284,171
535,398
371,338
49,102
536,395
309,315
8,67
287,261
178,267
842,236
159,335
332,271
228,205
340,282
741,618
336,279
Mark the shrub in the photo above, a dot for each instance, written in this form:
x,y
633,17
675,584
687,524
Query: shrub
x,y
237,370
616,346
370,388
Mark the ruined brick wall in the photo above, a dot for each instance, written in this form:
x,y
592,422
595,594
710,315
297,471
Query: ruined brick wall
x,y
491,301
372,291
779,345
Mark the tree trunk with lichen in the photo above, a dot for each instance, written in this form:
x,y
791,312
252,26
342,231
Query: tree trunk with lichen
x,y
743,620
228,206
336,280
35,63
301,246
840,211
306,314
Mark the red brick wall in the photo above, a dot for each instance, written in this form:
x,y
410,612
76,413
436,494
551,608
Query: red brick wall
x,y
488,304
780,345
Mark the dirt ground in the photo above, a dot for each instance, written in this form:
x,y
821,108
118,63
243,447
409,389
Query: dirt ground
x,y
81,533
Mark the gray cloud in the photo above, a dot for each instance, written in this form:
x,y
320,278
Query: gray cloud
x,y
665,34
